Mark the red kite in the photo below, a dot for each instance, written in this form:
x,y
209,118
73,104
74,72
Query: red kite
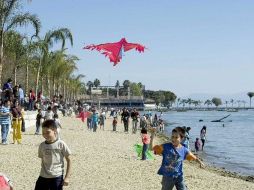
x,y
114,50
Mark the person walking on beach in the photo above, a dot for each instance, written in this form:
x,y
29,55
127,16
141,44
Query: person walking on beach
x,y
102,119
5,121
39,117
203,136
52,153
95,120
174,154
16,122
114,123
49,114
58,124
146,141
134,116
125,119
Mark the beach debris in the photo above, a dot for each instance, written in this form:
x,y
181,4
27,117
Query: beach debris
x,y
114,51
221,120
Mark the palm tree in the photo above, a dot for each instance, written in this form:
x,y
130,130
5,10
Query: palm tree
x,y
44,45
226,102
208,103
96,82
232,102
250,94
9,19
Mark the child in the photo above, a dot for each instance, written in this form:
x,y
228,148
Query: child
x,y
52,153
38,121
58,124
173,154
197,145
5,183
114,123
146,141
49,114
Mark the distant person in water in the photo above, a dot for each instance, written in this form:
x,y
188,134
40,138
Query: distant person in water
x,y
197,145
203,136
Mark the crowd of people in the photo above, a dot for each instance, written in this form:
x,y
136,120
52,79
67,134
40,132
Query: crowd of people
x,y
48,123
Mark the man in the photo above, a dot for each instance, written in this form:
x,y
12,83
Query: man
x,y
125,119
134,116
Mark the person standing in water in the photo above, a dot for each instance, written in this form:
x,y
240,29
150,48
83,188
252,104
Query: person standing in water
x,y
203,136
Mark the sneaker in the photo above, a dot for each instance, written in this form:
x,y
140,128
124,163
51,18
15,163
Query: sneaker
x,y
4,143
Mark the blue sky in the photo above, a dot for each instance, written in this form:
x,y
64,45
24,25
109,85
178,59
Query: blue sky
x,y
193,46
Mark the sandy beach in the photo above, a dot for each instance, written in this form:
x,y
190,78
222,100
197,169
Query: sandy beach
x,y
103,160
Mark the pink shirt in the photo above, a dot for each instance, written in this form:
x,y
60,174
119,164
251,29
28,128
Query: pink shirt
x,y
145,138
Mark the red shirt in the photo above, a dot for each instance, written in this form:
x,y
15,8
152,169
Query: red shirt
x,y
145,138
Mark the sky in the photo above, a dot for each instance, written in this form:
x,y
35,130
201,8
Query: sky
x,y
193,46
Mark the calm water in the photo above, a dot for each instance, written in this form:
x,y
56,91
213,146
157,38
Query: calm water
x,y
231,146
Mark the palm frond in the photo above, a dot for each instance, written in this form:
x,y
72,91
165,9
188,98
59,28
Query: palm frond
x,y
24,19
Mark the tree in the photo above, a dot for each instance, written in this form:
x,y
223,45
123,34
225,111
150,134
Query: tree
x,y
89,84
216,101
9,19
96,83
126,84
250,94
117,84
208,103
232,102
135,89
44,45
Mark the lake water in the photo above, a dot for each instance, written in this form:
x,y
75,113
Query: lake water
x,y
230,147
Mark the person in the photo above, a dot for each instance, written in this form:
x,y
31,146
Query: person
x,y
7,89
125,119
203,136
95,120
134,116
5,183
5,121
114,123
102,119
31,100
52,153
197,145
58,124
16,122
174,154
49,114
186,139
21,96
146,141
39,117
16,92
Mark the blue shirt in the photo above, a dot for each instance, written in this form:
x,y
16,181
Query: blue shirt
x,y
4,119
172,162
95,118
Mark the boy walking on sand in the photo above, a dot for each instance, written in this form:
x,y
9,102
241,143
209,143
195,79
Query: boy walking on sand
x,y
52,153
173,154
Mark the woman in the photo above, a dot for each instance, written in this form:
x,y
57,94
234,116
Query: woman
x,y
203,136
16,122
